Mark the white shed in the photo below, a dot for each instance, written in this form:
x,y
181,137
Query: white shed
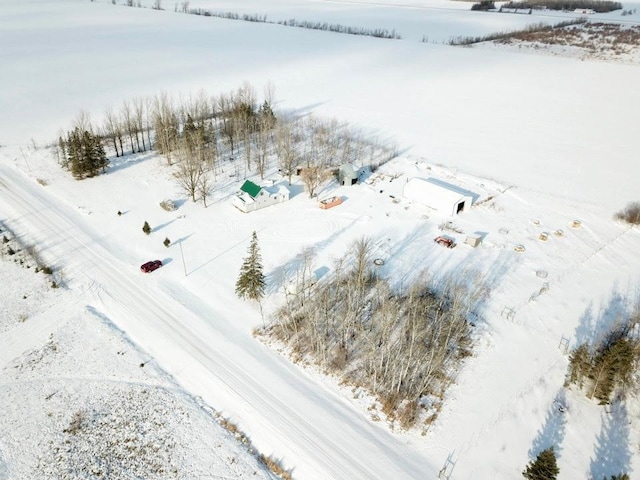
x,y
348,174
446,199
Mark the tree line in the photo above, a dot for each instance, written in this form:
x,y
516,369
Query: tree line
x,y
598,6
203,135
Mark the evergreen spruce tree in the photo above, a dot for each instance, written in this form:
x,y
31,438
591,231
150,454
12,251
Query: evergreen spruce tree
x,y
146,228
613,367
266,112
544,467
88,155
63,159
85,154
579,365
74,151
99,158
251,280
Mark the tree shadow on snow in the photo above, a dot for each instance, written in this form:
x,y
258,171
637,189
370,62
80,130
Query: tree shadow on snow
x,y
280,275
162,225
594,328
553,431
612,454
127,160
181,239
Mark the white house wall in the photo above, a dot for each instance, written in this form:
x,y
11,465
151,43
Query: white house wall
x,y
262,200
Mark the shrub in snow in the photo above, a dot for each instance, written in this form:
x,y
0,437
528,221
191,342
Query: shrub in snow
x,y
167,242
146,228
630,214
168,205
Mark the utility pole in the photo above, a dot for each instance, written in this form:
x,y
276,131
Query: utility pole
x,y
184,266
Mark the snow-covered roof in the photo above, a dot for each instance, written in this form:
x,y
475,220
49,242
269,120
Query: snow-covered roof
x,y
348,170
432,192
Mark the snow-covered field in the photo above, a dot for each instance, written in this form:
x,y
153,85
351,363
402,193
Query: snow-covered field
x,y
549,139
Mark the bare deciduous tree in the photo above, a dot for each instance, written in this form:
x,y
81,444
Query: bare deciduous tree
x,y
138,109
129,123
165,124
111,129
189,171
205,186
313,177
286,150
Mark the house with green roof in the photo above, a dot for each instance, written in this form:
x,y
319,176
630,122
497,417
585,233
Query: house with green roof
x,y
252,197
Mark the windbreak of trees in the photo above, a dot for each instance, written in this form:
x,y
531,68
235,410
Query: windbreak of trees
x,y
327,27
516,34
202,136
403,346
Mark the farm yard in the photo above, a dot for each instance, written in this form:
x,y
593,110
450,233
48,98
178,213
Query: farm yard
x,y
327,375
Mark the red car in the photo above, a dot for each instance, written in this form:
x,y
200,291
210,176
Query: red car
x,y
150,266
445,241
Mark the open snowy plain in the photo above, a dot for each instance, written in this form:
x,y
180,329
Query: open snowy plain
x,y
544,140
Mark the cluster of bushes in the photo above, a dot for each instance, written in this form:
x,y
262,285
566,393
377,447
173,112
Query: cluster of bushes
x,y
27,252
404,347
598,6
483,6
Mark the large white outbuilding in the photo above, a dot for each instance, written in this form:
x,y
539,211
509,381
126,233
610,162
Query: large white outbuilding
x,y
446,199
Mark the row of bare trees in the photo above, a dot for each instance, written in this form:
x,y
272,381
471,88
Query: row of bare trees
x,y
200,134
402,346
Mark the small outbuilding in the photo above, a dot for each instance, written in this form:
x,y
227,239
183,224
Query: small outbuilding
x,y
252,197
445,198
330,202
474,240
348,174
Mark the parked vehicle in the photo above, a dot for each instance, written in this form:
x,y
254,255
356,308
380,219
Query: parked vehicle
x,y
445,241
150,266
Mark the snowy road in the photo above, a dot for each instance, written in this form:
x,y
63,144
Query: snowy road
x,y
283,410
